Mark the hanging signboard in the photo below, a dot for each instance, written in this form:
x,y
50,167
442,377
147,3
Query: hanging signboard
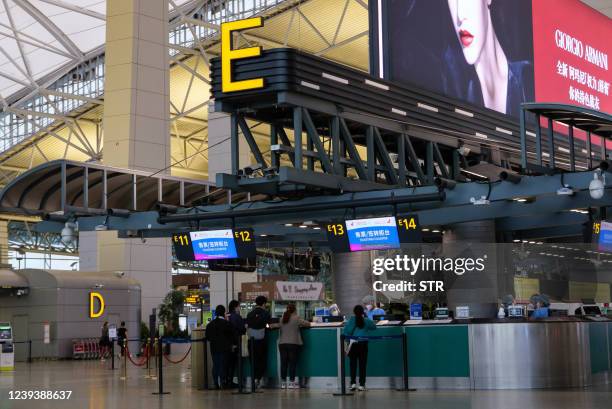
x,y
299,291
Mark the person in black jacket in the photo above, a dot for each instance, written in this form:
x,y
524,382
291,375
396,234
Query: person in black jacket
x,y
239,326
257,322
121,337
220,335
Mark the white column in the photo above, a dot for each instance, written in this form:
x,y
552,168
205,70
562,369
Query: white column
x,y
136,135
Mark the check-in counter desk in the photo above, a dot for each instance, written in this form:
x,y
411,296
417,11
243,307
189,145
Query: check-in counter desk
x,y
475,354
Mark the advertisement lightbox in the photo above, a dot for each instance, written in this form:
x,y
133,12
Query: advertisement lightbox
x,y
496,54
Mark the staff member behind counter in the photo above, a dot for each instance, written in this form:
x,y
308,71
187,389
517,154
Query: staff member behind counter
x,y
540,303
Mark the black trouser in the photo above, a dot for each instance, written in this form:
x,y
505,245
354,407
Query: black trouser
x,y
232,364
359,352
219,369
121,342
288,356
259,357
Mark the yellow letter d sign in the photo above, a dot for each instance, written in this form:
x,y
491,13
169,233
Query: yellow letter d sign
x,y
92,305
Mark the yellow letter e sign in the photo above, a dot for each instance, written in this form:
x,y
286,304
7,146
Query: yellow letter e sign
x,y
228,54
92,305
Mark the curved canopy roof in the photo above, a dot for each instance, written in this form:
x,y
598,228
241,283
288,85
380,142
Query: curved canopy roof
x,y
10,279
597,122
42,39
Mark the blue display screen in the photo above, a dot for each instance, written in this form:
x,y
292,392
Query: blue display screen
x,y
372,234
214,244
605,237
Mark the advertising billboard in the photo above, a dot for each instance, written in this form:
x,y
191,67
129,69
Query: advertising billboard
x,y
496,54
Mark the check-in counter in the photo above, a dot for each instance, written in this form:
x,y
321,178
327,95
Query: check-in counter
x,y
484,354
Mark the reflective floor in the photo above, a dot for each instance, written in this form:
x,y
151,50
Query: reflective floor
x,y
93,385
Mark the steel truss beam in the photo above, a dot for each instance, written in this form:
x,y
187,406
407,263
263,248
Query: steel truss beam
x,y
324,154
546,211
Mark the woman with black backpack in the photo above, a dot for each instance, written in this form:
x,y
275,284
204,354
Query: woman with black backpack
x,y
257,321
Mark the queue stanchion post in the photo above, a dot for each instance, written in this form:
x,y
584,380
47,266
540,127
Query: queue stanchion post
x,y
30,351
160,369
125,363
155,352
342,391
241,390
205,349
113,354
148,352
405,387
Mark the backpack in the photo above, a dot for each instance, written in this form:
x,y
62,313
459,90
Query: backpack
x,y
256,319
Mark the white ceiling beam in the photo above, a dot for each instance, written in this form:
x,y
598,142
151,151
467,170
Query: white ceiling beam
x,y
16,33
50,26
28,39
45,91
77,9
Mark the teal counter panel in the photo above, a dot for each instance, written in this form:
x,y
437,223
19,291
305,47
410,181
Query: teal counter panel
x,y
598,335
384,356
438,351
273,358
319,355
610,344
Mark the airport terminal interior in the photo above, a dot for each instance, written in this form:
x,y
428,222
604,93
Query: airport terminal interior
x,y
305,203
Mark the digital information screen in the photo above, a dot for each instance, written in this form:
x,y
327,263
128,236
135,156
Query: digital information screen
x,y
373,234
5,332
214,244
602,235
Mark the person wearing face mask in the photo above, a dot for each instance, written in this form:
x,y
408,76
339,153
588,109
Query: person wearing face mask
x,y
373,312
500,84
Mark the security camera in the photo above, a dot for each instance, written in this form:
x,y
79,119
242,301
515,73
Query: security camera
x,y
69,234
463,150
597,186
120,274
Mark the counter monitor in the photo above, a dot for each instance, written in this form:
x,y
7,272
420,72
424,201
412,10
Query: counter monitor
x,y
373,233
214,244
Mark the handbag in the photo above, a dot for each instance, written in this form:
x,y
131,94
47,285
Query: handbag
x,y
348,344
244,347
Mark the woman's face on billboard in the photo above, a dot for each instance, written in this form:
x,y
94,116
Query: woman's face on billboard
x,y
471,21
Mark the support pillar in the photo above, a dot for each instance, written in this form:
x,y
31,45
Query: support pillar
x,y
352,279
136,136
224,286
4,242
478,290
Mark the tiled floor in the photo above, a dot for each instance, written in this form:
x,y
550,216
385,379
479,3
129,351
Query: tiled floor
x,y
95,386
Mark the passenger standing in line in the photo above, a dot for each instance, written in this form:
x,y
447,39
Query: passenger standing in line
x,y
239,327
104,341
257,321
358,326
220,334
122,337
289,345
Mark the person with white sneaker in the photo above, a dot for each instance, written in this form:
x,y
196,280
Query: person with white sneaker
x,y
358,326
289,345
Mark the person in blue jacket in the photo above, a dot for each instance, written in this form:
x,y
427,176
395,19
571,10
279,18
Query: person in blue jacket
x,y
375,312
358,326
540,307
